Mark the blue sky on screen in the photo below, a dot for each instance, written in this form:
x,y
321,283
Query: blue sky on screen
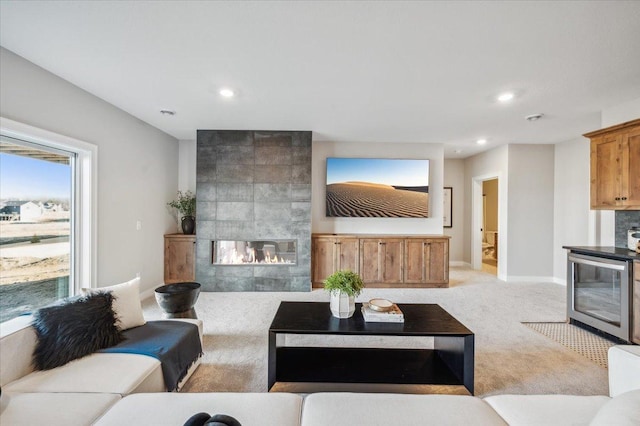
x,y
23,178
375,170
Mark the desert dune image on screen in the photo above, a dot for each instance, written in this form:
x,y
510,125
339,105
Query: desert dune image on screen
x,y
372,187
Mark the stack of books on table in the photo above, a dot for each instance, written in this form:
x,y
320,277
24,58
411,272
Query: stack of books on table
x,y
392,315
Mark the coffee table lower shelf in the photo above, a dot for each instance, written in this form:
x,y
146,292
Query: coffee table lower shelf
x,y
301,369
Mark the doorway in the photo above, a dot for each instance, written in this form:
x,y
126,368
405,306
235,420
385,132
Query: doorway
x,y
496,231
490,226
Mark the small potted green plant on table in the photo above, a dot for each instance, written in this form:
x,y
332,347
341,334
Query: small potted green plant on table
x,y
344,286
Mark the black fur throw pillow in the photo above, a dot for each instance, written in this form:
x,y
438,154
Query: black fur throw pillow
x,y
74,329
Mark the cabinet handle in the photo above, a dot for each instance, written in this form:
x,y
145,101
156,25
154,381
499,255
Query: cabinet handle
x,y
617,198
624,198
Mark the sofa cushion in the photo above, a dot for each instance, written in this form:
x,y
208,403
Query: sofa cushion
x,y
546,409
108,373
17,341
127,304
74,329
336,409
621,410
624,369
264,409
51,409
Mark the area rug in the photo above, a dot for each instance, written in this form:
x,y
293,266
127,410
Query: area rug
x,y
579,340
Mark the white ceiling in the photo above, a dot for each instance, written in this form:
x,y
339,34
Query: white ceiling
x,y
349,71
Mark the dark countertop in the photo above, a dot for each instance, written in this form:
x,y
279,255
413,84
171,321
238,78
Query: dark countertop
x,y
610,252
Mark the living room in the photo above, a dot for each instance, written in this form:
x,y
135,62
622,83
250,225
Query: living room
x,y
53,57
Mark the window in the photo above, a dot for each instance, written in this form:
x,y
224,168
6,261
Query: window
x,y
47,201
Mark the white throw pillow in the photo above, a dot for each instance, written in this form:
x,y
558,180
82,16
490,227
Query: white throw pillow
x,y
126,305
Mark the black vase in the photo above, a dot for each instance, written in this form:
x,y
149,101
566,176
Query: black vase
x,y
188,224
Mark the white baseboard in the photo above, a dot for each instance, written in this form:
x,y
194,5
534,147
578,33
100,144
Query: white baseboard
x,y
459,263
529,279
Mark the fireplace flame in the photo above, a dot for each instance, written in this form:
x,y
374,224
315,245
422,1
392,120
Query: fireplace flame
x,y
235,257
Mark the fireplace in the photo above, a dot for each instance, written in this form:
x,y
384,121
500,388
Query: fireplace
x,y
253,210
263,253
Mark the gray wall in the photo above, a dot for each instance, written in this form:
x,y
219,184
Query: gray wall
x,y
253,185
454,177
530,224
137,166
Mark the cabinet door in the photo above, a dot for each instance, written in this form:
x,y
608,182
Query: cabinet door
x,y
426,261
635,317
179,259
605,171
381,260
392,256
370,260
415,262
347,254
323,258
437,260
630,173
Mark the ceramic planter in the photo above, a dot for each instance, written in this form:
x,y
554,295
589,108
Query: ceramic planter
x,y
342,305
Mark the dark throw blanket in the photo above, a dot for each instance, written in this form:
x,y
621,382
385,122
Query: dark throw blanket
x,y
175,343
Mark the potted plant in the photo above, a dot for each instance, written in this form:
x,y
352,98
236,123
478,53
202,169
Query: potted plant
x,y
186,206
344,286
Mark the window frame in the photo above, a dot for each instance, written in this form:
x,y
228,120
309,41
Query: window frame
x,y
85,190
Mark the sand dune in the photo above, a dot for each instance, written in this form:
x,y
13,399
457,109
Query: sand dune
x,y
361,199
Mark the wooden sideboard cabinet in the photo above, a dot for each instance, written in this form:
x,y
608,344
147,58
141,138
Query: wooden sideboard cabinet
x,y
330,253
615,167
383,261
179,258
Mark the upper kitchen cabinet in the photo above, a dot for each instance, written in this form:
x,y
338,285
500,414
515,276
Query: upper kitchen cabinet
x,y
615,167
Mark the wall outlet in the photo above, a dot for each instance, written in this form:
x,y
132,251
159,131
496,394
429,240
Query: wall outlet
x,y
138,225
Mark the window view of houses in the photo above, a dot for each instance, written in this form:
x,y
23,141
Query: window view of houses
x,y
35,234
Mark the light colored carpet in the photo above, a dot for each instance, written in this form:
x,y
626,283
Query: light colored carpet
x,y
509,357
587,344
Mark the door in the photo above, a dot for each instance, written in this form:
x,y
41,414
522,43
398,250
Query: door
x,y
323,258
347,254
490,226
437,261
605,171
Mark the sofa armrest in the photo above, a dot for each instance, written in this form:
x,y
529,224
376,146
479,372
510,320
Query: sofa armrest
x,y
624,369
17,342
195,321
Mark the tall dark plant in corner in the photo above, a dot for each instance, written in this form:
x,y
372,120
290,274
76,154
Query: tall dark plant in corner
x,y
186,206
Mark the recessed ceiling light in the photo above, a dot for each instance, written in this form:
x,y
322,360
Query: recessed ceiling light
x,y
167,112
481,141
506,97
458,151
227,93
534,117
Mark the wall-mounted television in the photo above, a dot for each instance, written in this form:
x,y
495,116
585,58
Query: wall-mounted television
x,y
377,187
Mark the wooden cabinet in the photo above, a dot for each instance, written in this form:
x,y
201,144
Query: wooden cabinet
x,y
615,167
179,258
332,253
381,260
426,261
635,304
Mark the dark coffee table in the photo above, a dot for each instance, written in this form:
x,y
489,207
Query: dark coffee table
x,y
308,369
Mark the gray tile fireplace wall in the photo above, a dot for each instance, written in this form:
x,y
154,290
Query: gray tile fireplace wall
x,y
253,185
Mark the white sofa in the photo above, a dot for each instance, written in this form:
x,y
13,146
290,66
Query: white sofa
x,y
102,390
80,390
